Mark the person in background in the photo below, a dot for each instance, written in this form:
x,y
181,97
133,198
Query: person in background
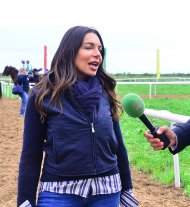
x,y
34,76
73,116
46,71
23,80
178,136
30,77
28,66
23,63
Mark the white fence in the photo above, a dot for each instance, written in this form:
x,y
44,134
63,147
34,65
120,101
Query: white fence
x,y
7,89
151,84
155,79
6,79
172,118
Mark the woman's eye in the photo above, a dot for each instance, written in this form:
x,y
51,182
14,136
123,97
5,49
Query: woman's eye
x,y
88,48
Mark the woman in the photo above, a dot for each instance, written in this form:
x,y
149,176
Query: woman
x,y
23,80
72,115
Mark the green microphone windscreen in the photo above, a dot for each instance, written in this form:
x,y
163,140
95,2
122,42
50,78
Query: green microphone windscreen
x,y
133,105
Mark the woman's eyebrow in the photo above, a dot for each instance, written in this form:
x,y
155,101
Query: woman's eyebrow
x,y
91,43
88,43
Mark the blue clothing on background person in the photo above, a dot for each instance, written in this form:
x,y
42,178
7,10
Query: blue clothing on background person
x,y
24,98
23,80
36,77
28,66
33,78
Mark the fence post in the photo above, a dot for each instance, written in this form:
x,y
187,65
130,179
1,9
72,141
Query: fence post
x,y
176,170
150,90
176,166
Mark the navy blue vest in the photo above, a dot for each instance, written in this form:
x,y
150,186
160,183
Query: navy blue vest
x,y
77,147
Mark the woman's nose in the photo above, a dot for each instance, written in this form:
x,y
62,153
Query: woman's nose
x,y
97,53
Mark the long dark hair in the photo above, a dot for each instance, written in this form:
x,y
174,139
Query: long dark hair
x,y
63,72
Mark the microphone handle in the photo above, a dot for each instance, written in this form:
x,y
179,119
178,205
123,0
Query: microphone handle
x,y
145,120
162,138
153,130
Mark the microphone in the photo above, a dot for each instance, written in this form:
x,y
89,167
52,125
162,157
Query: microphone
x,y
134,106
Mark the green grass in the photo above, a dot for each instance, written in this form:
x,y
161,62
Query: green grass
x,y
159,164
176,106
8,90
160,89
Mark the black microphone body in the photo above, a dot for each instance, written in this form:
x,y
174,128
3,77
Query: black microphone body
x,y
153,130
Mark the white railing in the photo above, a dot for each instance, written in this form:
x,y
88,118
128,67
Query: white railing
x,y
6,79
153,84
152,78
7,89
172,118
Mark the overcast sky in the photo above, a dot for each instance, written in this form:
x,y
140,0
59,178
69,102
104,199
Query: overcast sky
x,y
132,30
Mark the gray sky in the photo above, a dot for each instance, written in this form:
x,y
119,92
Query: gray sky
x,y
132,30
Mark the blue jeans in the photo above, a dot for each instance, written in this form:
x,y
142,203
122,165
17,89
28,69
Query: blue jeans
x,y
24,98
49,199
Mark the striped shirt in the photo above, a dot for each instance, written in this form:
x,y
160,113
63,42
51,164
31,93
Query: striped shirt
x,y
91,186
85,187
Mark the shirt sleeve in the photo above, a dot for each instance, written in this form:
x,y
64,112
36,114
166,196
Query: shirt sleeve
x,y
127,199
122,159
25,204
31,155
175,146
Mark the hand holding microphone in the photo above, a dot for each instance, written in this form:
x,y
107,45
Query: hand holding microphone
x,y
156,143
134,106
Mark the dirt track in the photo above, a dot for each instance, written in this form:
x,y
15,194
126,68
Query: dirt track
x,y
148,192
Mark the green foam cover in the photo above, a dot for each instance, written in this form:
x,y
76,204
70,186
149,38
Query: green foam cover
x,y
133,105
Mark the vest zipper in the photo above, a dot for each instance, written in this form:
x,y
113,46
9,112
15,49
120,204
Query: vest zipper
x,y
92,127
93,148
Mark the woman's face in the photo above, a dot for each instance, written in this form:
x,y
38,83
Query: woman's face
x,y
89,56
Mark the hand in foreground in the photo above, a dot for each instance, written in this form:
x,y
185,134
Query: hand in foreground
x,y
156,143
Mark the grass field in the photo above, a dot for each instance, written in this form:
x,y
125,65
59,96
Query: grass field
x,y
160,89
158,163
